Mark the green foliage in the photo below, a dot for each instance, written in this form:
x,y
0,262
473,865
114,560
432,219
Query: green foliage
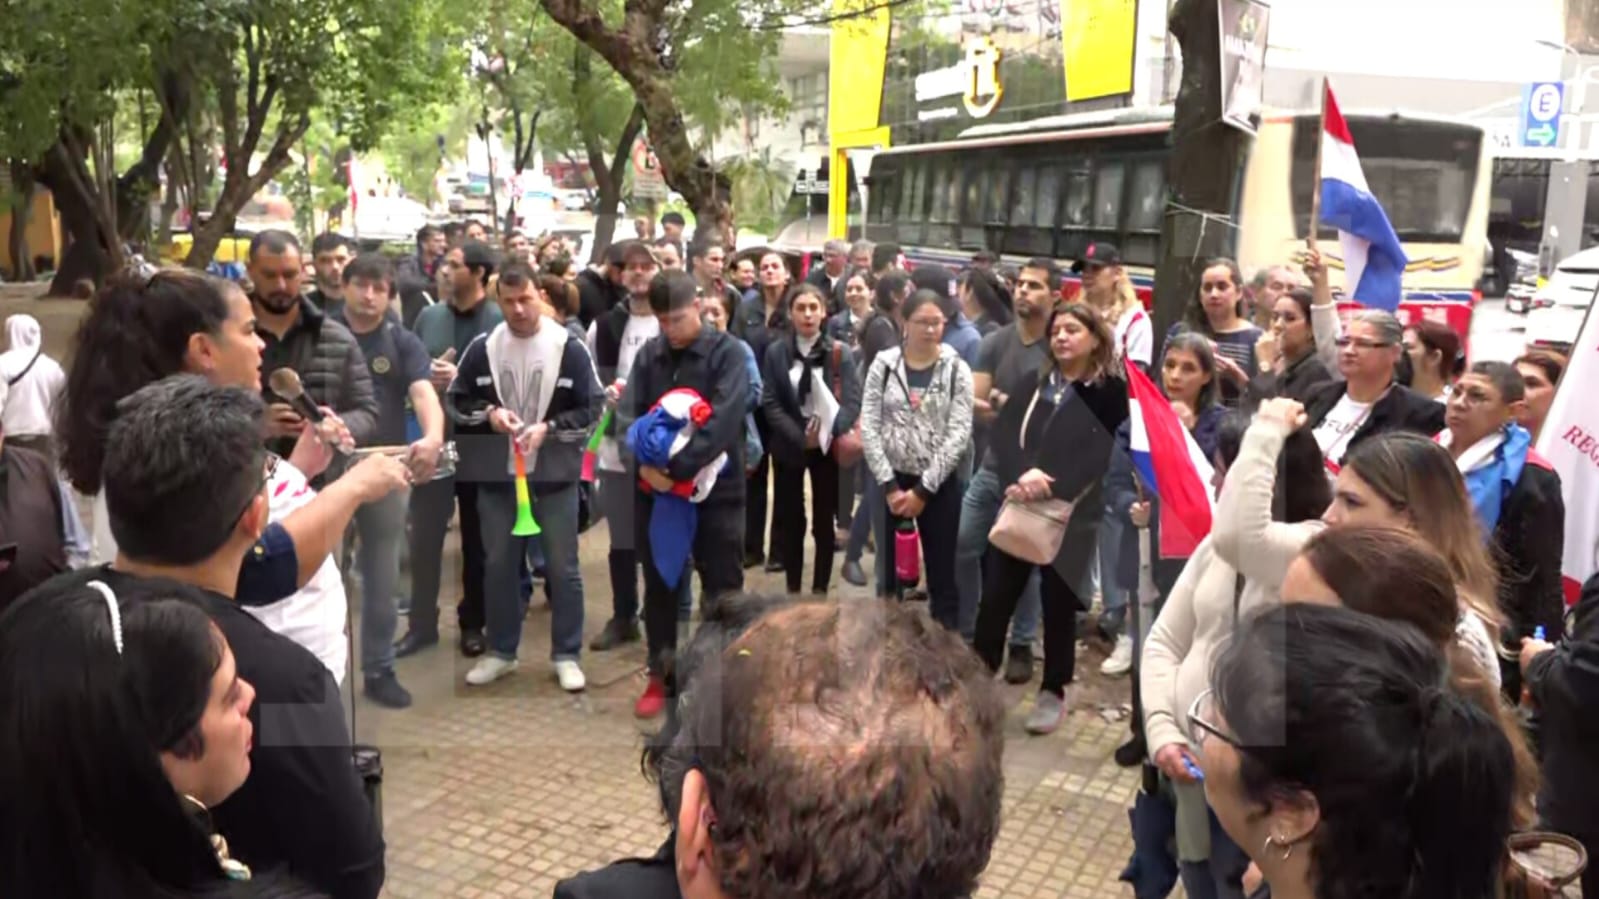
x,y
761,188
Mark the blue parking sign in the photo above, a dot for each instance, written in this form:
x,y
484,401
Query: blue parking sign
x,y
1541,104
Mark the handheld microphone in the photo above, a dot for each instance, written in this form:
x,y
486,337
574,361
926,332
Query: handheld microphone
x,y
285,382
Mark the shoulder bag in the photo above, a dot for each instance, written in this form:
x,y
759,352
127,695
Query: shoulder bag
x,y
1031,530
847,447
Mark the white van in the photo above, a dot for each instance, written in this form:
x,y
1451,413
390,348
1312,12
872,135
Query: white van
x,y
1559,307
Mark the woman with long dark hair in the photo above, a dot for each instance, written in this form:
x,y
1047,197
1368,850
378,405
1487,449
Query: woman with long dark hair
x,y
984,300
1055,440
1289,363
130,723
1218,313
1338,754
810,399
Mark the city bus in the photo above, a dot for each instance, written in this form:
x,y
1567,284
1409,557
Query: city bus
x,y
1048,186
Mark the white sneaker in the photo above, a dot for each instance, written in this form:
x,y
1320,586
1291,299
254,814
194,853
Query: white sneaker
x,y
570,676
1120,660
489,669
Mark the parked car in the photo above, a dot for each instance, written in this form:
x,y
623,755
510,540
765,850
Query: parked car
x,y
1558,308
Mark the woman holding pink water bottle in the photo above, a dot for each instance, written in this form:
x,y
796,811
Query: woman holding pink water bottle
x,y
916,425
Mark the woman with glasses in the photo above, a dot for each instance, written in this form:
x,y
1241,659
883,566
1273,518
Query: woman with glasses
x,y
1366,401
1054,439
810,398
916,424
1338,754
1203,611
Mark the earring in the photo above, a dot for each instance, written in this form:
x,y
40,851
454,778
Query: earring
x,y
1286,846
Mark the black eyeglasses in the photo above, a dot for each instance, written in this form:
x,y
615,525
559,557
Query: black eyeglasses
x,y
269,468
1200,727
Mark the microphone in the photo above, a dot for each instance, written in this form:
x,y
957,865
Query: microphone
x,y
285,382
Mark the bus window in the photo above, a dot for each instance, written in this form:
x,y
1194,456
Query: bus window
x,y
1149,187
941,193
1048,195
1077,197
1109,179
977,183
1022,214
999,196
1423,173
909,201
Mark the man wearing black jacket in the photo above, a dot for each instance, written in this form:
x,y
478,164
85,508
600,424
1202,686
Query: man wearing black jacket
x,y
599,289
185,479
301,337
689,354
1564,683
531,383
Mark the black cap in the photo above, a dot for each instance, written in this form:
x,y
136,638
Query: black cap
x,y
937,278
1098,253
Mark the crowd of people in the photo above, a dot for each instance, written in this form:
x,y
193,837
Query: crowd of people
x,y
1360,682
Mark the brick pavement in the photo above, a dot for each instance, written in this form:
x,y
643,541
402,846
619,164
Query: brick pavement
x,y
502,790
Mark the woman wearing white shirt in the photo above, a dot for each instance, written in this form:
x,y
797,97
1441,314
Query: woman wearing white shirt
x,y
1107,289
810,397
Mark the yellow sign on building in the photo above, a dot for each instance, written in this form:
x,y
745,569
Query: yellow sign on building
x,y
1100,39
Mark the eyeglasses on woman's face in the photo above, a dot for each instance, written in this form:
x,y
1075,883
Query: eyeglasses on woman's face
x,y
1202,721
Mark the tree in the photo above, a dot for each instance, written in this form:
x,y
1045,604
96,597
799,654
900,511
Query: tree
x,y
686,62
1203,169
275,61
761,187
65,70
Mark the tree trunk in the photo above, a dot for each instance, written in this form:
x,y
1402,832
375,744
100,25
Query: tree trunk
x,y
1202,175
240,184
93,250
22,184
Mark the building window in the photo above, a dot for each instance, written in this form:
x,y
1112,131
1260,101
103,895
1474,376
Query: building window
x,y
807,97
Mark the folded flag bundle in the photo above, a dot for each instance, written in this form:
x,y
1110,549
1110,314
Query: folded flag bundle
x,y
654,439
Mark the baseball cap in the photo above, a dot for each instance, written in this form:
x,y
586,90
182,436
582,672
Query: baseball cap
x,y
476,254
1098,253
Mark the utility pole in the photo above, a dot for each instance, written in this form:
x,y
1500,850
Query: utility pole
x,y
1203,171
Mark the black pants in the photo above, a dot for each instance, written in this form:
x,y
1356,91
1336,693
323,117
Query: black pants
x,y
718,534
848,488
618,496
1002,587
938,525
756,488
431,507
788,505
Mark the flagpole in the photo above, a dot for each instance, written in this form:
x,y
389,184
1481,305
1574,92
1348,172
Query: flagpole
x,y
1315,185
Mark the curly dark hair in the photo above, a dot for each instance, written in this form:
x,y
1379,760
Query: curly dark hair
x,y
849,750
136,332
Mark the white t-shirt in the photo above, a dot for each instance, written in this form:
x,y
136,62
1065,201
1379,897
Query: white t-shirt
x,y
639,330
1135,337
1333,434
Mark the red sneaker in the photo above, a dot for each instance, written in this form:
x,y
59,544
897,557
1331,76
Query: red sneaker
x,y
653,702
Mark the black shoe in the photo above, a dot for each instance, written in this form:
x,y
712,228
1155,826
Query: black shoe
x,y
853,574
385,690
753,560
1019,667
415,641
473,644
773,565
1131,753
615,633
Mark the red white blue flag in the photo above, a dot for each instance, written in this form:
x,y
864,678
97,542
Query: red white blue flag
x,y
1170,465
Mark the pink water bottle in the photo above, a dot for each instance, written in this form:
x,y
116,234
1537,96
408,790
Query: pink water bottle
x,y
907,554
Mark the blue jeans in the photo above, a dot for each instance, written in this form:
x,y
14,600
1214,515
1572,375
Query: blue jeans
x,y
1113,620
557,516
979,508
381,529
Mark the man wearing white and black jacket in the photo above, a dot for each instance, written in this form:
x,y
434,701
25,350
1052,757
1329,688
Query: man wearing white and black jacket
x,y
530,382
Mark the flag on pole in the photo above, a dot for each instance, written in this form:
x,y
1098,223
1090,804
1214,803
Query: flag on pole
x,y
1570,441
1171,466
1374,261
